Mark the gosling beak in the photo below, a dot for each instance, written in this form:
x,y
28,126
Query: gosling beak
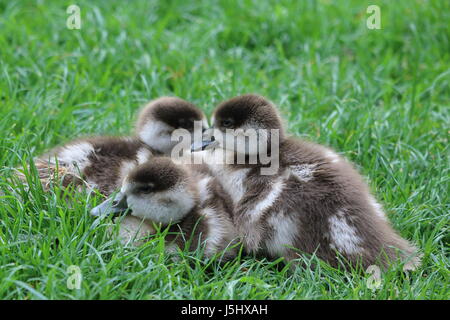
x,y
208,141
204,145
114,205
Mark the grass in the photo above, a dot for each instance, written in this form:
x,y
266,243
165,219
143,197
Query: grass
x,y
379,97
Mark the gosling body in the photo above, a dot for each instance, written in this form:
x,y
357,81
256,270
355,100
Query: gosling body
x,y
315,202
101,163
187,199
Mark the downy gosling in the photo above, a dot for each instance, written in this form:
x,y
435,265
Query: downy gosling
x,y
185,198
101,163
314,203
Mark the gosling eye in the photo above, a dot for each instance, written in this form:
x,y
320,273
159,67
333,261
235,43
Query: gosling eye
x,y
227,123
145,189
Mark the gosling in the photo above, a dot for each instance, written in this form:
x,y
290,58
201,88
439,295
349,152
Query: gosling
x,y
314,203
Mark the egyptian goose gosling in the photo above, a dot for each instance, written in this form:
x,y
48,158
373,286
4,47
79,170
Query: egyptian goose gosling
x,y
185,198
313,202
101,163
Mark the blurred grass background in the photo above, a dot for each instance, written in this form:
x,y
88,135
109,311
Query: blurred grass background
x,y
379,97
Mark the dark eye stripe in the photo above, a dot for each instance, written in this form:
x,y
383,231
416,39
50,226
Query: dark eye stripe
x,y
145,189
227,123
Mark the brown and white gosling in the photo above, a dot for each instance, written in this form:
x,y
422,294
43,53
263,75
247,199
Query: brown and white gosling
x,y
185,198
101,163
316,202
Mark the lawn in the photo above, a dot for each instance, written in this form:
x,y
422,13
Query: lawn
x,y
379,97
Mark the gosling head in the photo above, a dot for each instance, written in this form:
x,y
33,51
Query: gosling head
x,y
158,190
244,124
161,117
